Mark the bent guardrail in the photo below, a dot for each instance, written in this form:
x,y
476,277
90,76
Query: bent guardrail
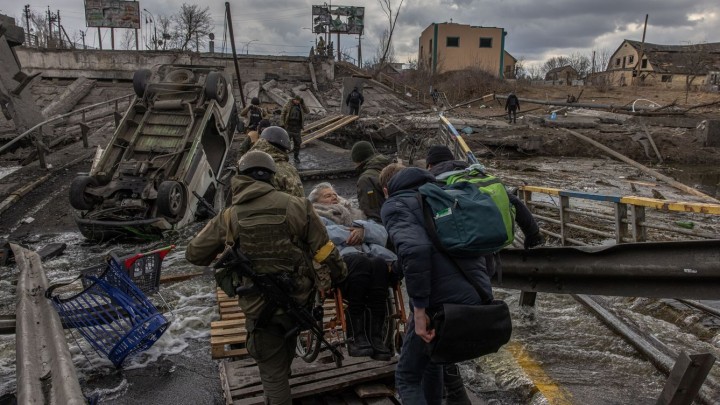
x,y
45,371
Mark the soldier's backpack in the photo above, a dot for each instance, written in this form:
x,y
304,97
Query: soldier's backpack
x,y
255,116
295,115
471,213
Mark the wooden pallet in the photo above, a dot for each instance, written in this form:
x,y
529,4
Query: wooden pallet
x,y
242,381
321,123
229,330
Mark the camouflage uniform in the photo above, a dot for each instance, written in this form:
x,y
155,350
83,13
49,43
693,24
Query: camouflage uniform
x,y
286,178
278,233
294,129
370,194
248,143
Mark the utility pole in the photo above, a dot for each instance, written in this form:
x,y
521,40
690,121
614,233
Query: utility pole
x,y
232,43
638,65
62,45
27,22
359,61
49,26
82,35
593,62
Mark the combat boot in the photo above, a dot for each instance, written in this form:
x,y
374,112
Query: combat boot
x,y
357,341
380,351
454,387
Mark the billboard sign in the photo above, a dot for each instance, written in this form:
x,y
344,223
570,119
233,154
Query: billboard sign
x,y
338,19
112,13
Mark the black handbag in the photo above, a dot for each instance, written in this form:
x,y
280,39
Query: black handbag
x,y
465,332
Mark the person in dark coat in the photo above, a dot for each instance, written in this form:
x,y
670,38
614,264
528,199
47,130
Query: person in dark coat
x,y
431,279
440,161
512,105
354,100
368,164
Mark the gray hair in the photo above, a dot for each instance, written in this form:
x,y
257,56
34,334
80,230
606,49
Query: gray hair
x,y
315,193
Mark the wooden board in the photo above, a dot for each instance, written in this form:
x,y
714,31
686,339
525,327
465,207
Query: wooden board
x,y
228,336
329,129
308,378
321,123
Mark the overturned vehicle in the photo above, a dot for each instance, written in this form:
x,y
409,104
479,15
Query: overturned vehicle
x,y
161,169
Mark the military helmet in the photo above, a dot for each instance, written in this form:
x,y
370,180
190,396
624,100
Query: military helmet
x,y
276,136
256,159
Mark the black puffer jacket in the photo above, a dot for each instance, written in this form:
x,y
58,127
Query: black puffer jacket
x,y
432,278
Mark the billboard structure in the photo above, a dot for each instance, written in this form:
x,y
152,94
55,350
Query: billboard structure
x,y
112,14
338,19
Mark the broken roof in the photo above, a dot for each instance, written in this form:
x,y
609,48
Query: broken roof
x,y
681,59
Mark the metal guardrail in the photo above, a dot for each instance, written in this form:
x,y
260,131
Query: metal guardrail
x,y
625,219
38,127
45,371
401,87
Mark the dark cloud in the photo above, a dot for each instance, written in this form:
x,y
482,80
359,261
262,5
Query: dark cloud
x,y
536,29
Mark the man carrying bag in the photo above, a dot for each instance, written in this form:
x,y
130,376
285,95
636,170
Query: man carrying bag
x,y
451,298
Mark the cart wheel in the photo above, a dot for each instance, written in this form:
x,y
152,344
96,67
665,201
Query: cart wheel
x,y
216,88
338,361
171,199
78,198
140,81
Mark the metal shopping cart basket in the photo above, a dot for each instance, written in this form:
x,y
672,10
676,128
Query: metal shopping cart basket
x,y
111,312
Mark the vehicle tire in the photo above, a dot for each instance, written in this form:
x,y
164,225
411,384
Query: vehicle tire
x,y
140,81
171,199
78,198
216,88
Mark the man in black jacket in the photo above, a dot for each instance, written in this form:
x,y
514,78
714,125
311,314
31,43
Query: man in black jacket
x,y
354,100
431,282
512,105
440,160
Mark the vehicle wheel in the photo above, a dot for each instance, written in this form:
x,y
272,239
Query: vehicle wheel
x,y
171,199
216,88
78,198
140,81
308,345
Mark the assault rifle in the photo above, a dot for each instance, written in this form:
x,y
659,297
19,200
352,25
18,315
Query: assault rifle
x,y
276,289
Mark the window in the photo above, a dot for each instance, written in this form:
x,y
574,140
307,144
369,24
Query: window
x,y
485,42
643,64
631,59
453,42
617,62
666,78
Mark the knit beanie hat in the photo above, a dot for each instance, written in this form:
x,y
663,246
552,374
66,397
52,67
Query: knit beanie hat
x,y
437,154
362,151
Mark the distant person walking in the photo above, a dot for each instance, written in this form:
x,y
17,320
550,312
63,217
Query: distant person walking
x,y
293,119
512,105
354,100
253,114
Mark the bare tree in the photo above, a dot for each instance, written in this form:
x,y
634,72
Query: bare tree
x,y
392,14
519,72
697,63
601,59
192,25
580,63
165,33
127,41
554,62
38,28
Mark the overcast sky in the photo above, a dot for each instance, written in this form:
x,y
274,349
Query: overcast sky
x,y
536,29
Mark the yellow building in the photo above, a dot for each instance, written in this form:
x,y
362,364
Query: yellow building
x,y
445,47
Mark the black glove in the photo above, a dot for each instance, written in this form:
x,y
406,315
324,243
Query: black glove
x,y
533,240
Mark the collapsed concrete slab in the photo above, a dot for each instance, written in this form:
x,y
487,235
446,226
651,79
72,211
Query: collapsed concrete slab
x,y
65,102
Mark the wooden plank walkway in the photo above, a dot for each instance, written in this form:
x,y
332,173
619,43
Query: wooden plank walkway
x,y
359,381
307,379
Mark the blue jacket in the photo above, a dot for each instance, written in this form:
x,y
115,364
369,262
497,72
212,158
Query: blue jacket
x,y
431,277
374,239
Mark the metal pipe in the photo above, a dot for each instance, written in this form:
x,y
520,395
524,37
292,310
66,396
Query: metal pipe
x,y
590,230
235,60
581,105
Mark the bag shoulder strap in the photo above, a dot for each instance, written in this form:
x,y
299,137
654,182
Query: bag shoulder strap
x,y
432,232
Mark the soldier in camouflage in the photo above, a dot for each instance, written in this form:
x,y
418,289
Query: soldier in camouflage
x,y
279,233
275,142
368,165
293,119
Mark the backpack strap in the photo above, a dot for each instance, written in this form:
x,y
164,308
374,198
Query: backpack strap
x,y
432,232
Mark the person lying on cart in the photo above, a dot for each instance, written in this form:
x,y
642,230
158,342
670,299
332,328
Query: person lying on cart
x,y
361,244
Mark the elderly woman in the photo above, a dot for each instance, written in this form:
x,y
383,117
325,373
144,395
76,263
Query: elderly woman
x,y
362,246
